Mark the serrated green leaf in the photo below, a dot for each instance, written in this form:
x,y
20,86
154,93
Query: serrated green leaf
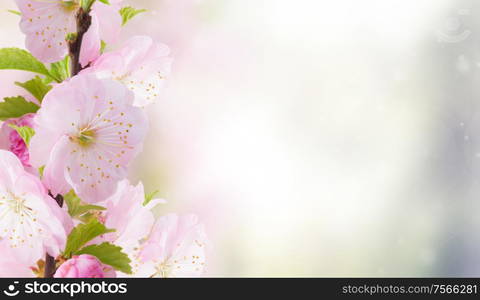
x,y
19,59
149,197
61,69
109,254
25,132
129,12
82,234
75,206
36,86
15,107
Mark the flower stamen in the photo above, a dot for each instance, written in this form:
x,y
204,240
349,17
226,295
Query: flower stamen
x,y
85,138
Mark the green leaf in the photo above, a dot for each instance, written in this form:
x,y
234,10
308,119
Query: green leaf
x,y
86,4
105,1
87,217
128,13
75,206
15,12
19,59
109,254
61,69
149,197
82,234
25,132
15,107
36,86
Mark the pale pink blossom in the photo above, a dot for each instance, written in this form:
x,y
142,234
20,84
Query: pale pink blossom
x,y
174,248
46,24
126,213
141,64
31,222
87,133
10,139
81,266
131,219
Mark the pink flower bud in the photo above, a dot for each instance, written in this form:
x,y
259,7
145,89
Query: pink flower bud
x,y
10,139
82,266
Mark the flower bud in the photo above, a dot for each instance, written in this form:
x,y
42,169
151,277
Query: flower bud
x,y
82,266
10,139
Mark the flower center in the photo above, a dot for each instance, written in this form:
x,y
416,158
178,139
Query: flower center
x,y
85,138
163,269
17,204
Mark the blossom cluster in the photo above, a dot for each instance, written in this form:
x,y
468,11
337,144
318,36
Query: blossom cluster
x,y
67,208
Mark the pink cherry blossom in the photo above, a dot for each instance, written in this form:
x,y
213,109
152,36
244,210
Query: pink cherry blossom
x,y
174,248
47,22
141,64
87,133
81,266
12,141
31,222
126,213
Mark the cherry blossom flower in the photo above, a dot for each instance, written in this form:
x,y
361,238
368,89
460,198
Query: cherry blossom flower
x,y
87,132
126,213
46,24
31,222
141,64
131,219
81,266
174,248
12,141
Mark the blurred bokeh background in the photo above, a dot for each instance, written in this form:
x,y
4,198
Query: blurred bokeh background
x,y
316,138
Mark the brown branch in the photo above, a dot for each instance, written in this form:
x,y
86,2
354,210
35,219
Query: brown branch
x,y
50,268
50,265
84,20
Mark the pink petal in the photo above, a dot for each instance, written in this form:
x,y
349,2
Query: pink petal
x,y
109,20
46,25
91,43
141,64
